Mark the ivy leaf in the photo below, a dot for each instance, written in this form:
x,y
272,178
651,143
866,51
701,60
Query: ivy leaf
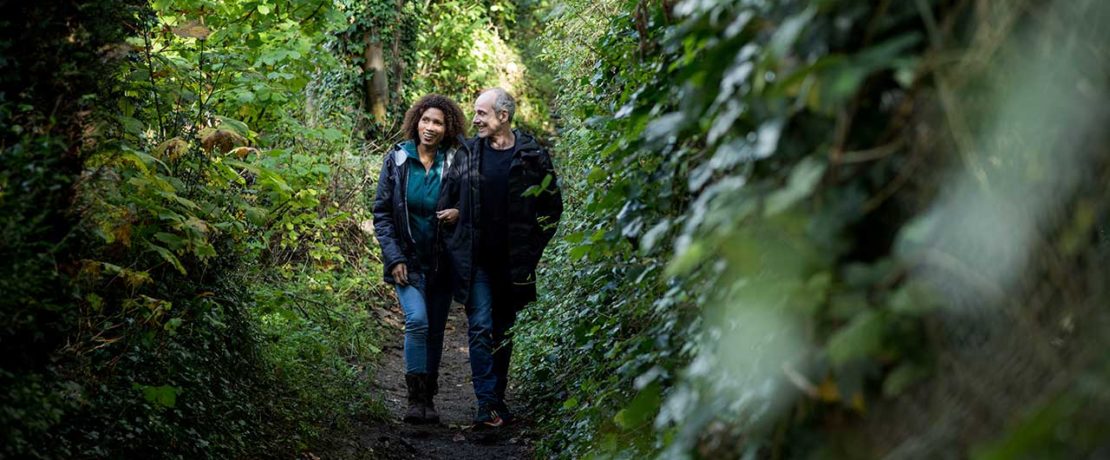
x,y
536,190
578,252
597,174
162,395
641,410
803,179
843,75
789,32
654,235
664,126
575,237
683,263
912,299
860,338
902,377
171,327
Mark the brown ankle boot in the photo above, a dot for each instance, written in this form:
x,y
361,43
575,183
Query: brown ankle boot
x,y
415,411
431,387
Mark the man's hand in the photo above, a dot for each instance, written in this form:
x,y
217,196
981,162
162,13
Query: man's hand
x,y
401,274
448,216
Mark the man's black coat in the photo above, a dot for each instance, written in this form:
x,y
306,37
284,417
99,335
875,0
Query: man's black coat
x,y
533,216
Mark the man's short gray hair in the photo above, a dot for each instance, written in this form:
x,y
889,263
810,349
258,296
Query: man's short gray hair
x,y
504,101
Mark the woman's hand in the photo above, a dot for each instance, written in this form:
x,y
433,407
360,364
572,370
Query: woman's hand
x,y
448,216
401,274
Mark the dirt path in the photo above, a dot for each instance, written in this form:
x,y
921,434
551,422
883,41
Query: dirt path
x,y
454,437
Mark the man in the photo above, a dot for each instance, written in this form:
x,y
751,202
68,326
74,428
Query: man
x,y
509,202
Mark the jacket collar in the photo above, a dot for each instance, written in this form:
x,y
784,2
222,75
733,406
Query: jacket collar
x,y
400,153
526,144
407,149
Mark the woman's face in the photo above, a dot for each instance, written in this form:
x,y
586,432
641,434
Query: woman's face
x,y
431,127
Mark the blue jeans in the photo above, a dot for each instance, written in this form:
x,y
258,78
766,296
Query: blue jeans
x,y
425,309
490,316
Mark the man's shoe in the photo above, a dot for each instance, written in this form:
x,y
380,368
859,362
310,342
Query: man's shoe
x,y
415,411
488,416
431,387
503,410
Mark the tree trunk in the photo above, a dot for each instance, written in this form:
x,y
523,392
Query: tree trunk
x,y
398,60
377,85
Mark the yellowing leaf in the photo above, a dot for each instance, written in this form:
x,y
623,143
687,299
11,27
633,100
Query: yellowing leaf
x,y
192,29
858,402
828,391
123,234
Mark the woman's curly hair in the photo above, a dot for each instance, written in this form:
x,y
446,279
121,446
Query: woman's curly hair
x,y
453,118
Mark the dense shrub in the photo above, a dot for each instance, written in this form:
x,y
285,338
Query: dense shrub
x,y
178,283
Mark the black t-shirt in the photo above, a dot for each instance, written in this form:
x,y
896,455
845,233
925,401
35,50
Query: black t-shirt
x,y
493,244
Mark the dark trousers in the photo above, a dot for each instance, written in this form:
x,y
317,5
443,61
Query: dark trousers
x,y
504,316
491,314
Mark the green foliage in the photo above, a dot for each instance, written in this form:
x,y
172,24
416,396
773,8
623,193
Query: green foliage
x,y
793,229
461,52
187,269
202,278
737,174
463,47
392,26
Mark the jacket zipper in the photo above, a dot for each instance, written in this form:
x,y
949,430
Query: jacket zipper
x,y
475,174
448,158
405,198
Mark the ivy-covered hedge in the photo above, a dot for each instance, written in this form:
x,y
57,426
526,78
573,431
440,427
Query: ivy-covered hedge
x,y
838,229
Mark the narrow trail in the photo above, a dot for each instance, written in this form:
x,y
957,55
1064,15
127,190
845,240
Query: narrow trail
x,y
453,437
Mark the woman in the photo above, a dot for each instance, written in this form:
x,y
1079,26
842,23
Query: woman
x,y
410,217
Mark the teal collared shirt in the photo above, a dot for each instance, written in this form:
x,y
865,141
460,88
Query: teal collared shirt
x,y
422,195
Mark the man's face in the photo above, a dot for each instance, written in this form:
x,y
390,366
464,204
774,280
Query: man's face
x,y
486,119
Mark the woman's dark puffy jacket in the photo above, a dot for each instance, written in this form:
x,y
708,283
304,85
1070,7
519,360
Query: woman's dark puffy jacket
x,y
391,218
